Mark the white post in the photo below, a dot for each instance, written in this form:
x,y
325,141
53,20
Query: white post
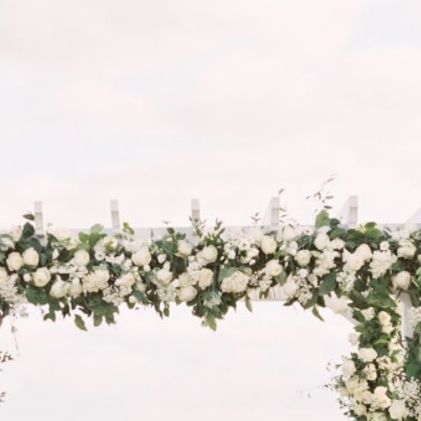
x,y
349,212
195,211
271,218
405,308
39,219
115,216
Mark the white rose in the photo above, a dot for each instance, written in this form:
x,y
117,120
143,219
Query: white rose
x,y
367,354
142,257
96,281
41,277
336,304
164,276
59,288
353,261
406,250
322,241
3,275
337,244
381,400
14,261
127,280
273,268
184,247
348,368
205,278
235,283
303,257
402,280
268,244
30,257
364,251
209,254
187,294
368,313
371,372
81,258
60,233
398,410
75,288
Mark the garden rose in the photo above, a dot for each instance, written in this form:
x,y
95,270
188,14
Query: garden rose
x,y
205,278
235,283
402,280
398,410
59,288
142,257
407,249
367,354
184,247
273,268
14,261
41,277
322,241
81,258
30,257
164,276
348,368
209,254
303,257
187,294
268,245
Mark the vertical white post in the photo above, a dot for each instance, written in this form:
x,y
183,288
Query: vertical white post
x,y
195,211
115,216
405,307
349,212
271,217
39,219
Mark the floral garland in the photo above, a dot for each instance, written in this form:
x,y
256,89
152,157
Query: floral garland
x,y
360,272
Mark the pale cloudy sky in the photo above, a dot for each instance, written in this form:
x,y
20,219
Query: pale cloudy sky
x,y
154,103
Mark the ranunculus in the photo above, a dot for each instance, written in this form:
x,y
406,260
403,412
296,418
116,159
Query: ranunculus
x,y
402,280
14,261
184,247
41,277
322,241
273,268
205,278
367,354
303,257
164,276
30,257
268,244
187,294
209,254
336,304
364,251
398,410
59,288
3,275
81,258
348,368
142,257
407,249
75,288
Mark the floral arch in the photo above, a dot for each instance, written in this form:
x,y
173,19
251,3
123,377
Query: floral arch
x,y
363,273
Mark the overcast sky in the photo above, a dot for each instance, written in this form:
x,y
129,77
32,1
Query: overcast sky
x,y
154,103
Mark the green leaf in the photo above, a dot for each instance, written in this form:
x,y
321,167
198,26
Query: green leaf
x,y
96,229
322,219
328,284
97,320
315,311
29,216
28,231
80,323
